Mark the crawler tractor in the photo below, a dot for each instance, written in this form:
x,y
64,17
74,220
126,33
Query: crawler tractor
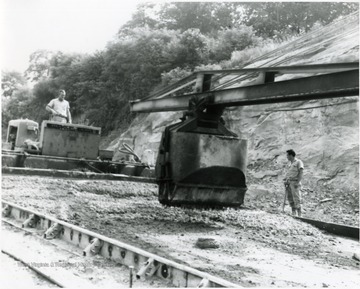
x,y
62,146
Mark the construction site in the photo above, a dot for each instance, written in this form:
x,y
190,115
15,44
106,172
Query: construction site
x,y
192,193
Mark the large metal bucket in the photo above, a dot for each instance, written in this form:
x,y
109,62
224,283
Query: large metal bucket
x,y
203,169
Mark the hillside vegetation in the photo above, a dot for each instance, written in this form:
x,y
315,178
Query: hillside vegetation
x,y
161,43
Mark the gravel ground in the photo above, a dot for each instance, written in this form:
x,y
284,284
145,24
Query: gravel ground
x,y
328,206
256,248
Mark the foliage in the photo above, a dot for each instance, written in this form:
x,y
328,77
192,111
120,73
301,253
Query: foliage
x,y
135,64
206,16
233,39
174,75
11,81
17,106
189,49
270,19
15,98
39,65
145,16
241,58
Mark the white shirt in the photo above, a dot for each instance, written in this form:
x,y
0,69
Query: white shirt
x,y
294,169
61,107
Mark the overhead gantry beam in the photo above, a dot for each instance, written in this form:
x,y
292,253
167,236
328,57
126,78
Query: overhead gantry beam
x,y
310,68
331,85
245,73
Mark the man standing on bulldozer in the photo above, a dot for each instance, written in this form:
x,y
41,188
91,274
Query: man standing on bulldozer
x,y
59,108
292,182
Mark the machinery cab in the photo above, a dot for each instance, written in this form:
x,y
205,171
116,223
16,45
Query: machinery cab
x,y
20,130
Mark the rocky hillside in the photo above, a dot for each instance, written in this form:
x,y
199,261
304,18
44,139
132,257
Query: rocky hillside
x,y
325,134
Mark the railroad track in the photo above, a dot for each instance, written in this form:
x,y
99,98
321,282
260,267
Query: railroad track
x,y
141,264
333,228
75,175
41,275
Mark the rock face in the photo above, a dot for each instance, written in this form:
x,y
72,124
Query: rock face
x,y
144,135
324,133
325,139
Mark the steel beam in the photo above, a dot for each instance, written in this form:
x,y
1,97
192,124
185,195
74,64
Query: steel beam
x,y
332,85
294,69
311,68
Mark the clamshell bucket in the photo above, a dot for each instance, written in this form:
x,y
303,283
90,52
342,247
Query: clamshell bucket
x,y
201,169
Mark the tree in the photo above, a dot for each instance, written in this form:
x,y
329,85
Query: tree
x,y
269,18
230,40
145,16
39,65
134,65
11,81
90,83
205,16
189,49
17,106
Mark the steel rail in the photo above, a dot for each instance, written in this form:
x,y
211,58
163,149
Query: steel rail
x,y
333,228
75,175
125,254
34,156
38,271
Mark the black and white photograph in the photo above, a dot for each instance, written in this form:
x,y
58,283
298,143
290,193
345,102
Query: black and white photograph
x,y
162,144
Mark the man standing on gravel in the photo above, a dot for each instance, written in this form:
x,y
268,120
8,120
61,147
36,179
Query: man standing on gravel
x,y
59,108
292,182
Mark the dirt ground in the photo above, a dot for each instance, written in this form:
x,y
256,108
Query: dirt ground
x,y
257,248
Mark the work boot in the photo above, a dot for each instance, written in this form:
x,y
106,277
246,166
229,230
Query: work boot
x,y
299,212
293,212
